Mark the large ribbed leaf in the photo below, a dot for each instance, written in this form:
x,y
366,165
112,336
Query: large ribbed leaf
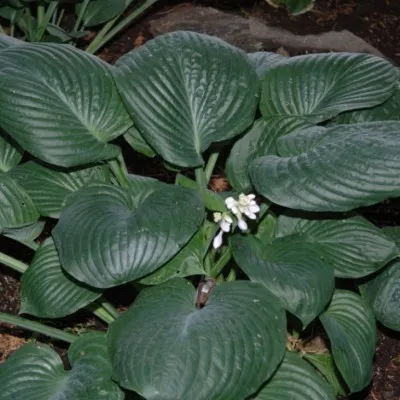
x,y
60,103
353,246
186,90
141,187
46,289
100,11
264,60
8,41
165,348
320,86
10,156
16,207
259,140
36,372
103,240
387,111
290,268
189,261
49,188
25,234
350,325
324,363
347,166
383,293
296,379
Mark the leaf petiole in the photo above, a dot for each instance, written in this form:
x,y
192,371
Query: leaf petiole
x,y
37,327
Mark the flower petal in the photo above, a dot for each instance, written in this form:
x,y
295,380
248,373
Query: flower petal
x,y
217,242
242,224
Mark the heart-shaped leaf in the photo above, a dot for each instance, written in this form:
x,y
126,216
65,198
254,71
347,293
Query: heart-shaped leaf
x,y
186,90
99,11
36,372
266,229
60,103
296,379
259,140
293,270
348,166
350,325
353,246
320,86
16,207
264,60
382,292
46,289
189,261
225,350
10,155
49,188
114,243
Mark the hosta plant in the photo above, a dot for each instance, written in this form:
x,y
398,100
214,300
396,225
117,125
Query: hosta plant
x,y
45,20
270,290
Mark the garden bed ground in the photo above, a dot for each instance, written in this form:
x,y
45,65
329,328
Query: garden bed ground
x,y
377,22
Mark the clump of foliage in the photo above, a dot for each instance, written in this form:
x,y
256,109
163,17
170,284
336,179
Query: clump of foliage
x,y
43,20
317,135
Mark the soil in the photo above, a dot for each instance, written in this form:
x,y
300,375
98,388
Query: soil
x,y
377,22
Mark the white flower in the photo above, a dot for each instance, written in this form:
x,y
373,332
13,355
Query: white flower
x,y
242,224
225,221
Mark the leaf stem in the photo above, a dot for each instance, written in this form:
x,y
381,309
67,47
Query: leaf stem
x,y
108,307
201,180
37,327
81,14
102,313
119,172
11,262
222,261
42,26
107,33
60,17
40,13
2,30
212,160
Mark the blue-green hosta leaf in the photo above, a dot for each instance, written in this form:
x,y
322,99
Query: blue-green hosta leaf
x,y
290,268
99,11
353,246
10,155
224,350
185,91
25,234
296,379
264,60
266,229
387,111
8,41
189,261
141,187
383,293
50,188
36,372
136,141
324,363
46,289
60,103
350,325
259,140
393,233
348,166
103,240
16,207
320,86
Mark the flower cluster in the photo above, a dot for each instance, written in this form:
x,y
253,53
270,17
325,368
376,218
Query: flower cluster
x,y
245,206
